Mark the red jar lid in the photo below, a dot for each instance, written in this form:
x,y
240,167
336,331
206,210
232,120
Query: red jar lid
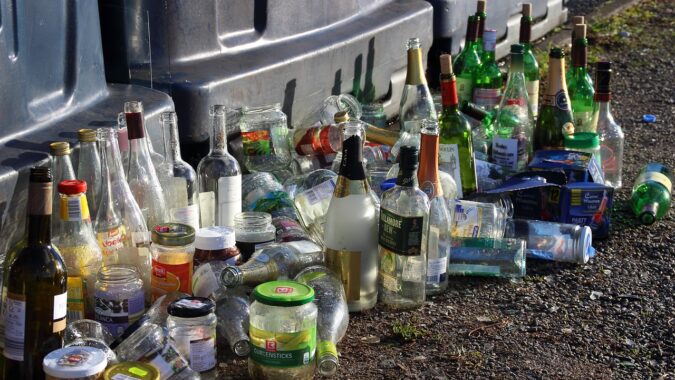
x,y
72,187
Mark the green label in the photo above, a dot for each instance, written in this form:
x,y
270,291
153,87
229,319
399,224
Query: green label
x,y
399,234
277,349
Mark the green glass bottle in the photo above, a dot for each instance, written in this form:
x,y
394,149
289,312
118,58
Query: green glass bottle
x,y
481,17
531,66
555,115
482,129
467,62
455,150
487,83
579,83
650,199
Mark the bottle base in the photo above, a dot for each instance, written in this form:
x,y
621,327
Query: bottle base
x,y
436,290
365,303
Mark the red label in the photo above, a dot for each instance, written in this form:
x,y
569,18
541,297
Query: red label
x,y
449,92
168,278
283,290
270,346
308,143
515,102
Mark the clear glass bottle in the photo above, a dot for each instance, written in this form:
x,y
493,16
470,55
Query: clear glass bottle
x,y
403,213
264,133
487,257
531,66
179,181
62,169
467,62
373,113
172,258
610,133
120,299
351,224
142,176
233,311
192,328
579,83
219,176
89,166
487,80
477,219
482,130
312,205
253,230
123,141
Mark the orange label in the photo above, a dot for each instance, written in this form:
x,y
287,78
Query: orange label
x,y
168,278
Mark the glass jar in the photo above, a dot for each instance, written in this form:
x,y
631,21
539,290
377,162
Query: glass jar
x,y
172,251
553,241
289,230
120,299
282,331
192,327
264,134
256,186
215,243
336,103
304,164
131,370
373,113
253,230
587,142
74,363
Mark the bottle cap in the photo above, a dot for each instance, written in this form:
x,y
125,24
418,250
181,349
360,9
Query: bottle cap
x,y
173,234
59,148
41,174
86,135
446,64
409,157
604,66
583,247
578,20
133,106
580,31
283,293
72,187
413,43
75,362
582,140
490,37
556,52
517,49
481,6
648,118
131,370
387,184
527,10
191,307
215,238
341,117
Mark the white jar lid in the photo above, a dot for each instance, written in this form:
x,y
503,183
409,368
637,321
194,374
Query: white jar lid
x,y
74,362
213,238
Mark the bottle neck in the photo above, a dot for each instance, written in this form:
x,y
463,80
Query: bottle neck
x,y
351,166
604,109
579,56
556,76
218,138
415,74
39,213
427,174
471,32
481,25
449,92
516,65
171,143
406,177
525,30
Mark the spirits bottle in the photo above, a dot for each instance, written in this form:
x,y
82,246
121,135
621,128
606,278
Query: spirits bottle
x,y
487,82
512,143
436,232
36,289
351,224
62,169
89,166
456,147
219,177
555,116
403,213
142,176
481,17
179,181
467,62
530,64
610,133
482,129
650,199
579,84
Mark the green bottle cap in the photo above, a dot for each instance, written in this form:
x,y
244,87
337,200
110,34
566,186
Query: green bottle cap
x,y
582,140
283,293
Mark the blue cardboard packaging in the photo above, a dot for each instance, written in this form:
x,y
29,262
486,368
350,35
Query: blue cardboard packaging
x,y
578,166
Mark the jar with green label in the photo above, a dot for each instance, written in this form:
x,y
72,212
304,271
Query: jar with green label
x,y
282,330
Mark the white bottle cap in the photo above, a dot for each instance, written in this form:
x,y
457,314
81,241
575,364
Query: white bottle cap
x,y
214,238
75,362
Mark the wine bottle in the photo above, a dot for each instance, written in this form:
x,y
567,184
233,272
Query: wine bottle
x,y
555,115
481,17
89,166
610,133
482,129
579,83
531,66
467,62
36,289
487,82
650,199
350,233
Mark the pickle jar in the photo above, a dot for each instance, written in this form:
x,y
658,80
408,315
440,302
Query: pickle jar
x,y
282,330
215,243
172,252
71,363
264,134
192,327
131,371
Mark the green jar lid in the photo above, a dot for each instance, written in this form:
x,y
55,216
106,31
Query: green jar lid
x,y
131,370
283,293
173,234
582,140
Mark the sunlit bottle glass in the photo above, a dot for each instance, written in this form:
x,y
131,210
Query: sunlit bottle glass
x,y
650,199
610,133
264,134
89,166
531,66
467,62
579,84
62,169
487,81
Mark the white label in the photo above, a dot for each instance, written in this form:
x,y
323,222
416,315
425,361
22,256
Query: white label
x,y
486,98
448,161
60,306
187,215
229,199
15,324
74,208
320,192
467,221
436,268
505,152
203,354
464,89
413,269
119,376
204,281
207,206
533,95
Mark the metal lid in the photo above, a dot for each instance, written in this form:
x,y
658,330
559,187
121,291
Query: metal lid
x,y
132,370
72,187
191,307
74,362
341,116
86,135
582,249
582,140
173,234
283,293
214,238
59,148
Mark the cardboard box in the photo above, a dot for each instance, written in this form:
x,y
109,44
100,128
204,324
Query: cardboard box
x,y
578,166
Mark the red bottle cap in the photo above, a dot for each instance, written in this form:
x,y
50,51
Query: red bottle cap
x,y
72,187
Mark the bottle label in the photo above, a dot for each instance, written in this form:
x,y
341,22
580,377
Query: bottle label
x,y
655,177
60,312
467,221
532,87
111,241
167,278
203,354
505,152
448,160
15,326
387,273
437,256
320,192
74,208
399,234
186,215
229,199
204,281
280,349
486,98
305,145
207,206
168,361
117,314
347,266
464,88
256,143
326,347
437,270
76,295
561,101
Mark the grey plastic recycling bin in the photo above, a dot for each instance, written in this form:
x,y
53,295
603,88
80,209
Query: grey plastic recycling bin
x,y
255,52
53,84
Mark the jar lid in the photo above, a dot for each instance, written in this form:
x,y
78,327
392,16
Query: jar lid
x,y
74,362
59,148
582,140
132,370
173,234
283,293
86,135
191,307
215,237
72,187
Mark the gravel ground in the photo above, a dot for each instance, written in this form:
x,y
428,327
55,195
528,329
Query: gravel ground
x,y
612,318
583,7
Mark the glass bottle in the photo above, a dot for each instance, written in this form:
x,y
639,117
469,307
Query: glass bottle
x,y
232,311
553,241
219,176
351,224
650,199
481,17
79,249
62,169
192,328
610,133
436,232
37,295
530,64
142,176
482,129
467,62
403,214
456,147
264,133
579,83
123,141
512,143
487,257
180,180
555,116
487,81
89,166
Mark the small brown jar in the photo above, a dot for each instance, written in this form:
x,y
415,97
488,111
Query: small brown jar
x,y
216,243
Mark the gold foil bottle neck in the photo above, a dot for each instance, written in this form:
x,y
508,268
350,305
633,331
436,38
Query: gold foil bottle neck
x,y
415,74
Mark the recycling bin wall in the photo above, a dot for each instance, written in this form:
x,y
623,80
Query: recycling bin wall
x,y
53,83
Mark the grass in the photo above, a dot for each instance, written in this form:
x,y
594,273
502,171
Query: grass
x,y
407,332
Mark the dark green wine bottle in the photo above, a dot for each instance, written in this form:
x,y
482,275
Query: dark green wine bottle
x,y
579,83
555,114
481,17
531,67
488,80
467,62
36,289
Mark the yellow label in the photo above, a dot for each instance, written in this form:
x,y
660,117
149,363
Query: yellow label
x,y
76,296
347,266
74,208
656,177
